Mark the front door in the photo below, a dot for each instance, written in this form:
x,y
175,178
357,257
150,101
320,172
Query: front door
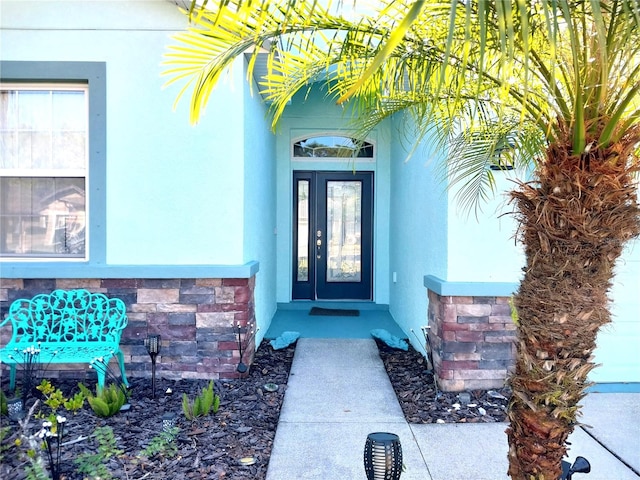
x,y
332,235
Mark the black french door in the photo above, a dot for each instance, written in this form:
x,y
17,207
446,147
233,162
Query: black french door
x,y
332,235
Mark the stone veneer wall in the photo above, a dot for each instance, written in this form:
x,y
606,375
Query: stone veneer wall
x,y
472,340
197,319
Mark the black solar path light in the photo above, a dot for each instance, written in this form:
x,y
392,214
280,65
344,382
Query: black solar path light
x,y
242,367
581,465
169,421
152,344
383,456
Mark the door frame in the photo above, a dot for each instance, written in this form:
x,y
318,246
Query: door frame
x,y
308,290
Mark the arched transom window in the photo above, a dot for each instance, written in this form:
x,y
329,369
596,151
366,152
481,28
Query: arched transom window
x,y
332,146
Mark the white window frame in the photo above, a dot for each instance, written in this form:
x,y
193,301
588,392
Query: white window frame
x,y
55,172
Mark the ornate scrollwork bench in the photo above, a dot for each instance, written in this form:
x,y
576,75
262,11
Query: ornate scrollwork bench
x,y
65,326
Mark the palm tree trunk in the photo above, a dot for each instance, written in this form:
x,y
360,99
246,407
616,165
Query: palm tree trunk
x,y
574,222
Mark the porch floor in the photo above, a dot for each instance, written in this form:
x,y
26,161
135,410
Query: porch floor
x,y
294,317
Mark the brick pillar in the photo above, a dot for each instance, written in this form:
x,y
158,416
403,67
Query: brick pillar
x,y
472,340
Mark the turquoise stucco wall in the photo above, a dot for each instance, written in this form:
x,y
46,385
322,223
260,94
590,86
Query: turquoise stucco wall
x,y
418,228
260,205
617,347
174,191
482,247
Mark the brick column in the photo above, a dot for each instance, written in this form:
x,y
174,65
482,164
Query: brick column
x,y
472,340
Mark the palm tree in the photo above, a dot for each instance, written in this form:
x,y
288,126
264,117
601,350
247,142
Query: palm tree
x,y
553,85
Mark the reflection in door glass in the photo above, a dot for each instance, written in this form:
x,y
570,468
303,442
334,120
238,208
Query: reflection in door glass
x,y
344,231
303,231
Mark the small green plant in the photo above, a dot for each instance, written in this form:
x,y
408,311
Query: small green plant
x,y
163,444
94,464
75,403
107,401
205,402
54,399
4,410
514,311
53,396
5,432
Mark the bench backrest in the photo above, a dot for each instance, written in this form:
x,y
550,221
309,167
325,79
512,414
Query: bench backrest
x,y
68,316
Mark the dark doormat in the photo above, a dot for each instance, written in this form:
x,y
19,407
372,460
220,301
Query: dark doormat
x,y
333,312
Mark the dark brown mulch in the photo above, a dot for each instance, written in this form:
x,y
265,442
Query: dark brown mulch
x,y
209,447
244,426
420,400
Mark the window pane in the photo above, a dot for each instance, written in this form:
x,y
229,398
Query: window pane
x,y
331,147
42,216
34,110
69,111
9,150
303,231
69,150
43,129
344,231
8,109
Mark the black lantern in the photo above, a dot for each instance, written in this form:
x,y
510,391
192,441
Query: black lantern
x,y
15,409
168,421
581,465
152,344
382,456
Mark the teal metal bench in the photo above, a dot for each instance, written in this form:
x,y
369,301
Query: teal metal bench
x,y
66,326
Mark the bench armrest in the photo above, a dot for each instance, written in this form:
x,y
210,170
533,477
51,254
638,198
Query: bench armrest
x,y
7,319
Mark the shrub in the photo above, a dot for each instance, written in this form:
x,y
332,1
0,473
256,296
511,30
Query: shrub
x,y
107,401
205,402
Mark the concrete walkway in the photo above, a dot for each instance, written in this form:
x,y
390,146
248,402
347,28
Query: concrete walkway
x,y
338,392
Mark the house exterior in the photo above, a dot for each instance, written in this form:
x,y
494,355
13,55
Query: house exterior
x,y
205,230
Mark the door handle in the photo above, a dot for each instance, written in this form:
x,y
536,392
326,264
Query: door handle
x,y
318,243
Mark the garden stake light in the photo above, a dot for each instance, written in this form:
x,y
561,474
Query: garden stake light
x,y
31,368
581,465
99,365
152,343
425,332
15,409
168,422
429,365
383,456
242,367
53,452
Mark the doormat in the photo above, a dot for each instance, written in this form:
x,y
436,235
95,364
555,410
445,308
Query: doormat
x,y
333,312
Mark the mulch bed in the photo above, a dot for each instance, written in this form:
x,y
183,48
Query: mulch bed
x,y
209,447
422,403
244,426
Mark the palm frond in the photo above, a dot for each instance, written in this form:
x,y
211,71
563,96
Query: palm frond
x,y
569,71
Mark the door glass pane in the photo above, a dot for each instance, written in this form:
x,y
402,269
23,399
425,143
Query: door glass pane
x,y
344,228
303,231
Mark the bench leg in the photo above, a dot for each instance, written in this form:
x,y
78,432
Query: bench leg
x,y
101,375
12,378
120,357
